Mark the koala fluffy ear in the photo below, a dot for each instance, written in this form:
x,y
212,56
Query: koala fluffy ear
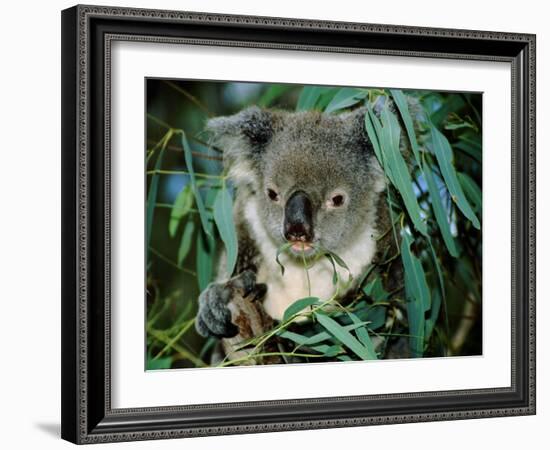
x,y
242,137
252,127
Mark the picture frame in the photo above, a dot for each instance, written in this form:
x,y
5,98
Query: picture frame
x,y
87,35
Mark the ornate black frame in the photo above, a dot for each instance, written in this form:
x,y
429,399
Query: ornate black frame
x,y
87,32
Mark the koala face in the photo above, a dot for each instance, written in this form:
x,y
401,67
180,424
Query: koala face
x,y
314,176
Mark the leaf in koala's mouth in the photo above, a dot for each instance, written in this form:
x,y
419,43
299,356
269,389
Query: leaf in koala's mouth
x,y
336,260
283,248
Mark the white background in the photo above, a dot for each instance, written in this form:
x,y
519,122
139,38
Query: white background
x,y
30,225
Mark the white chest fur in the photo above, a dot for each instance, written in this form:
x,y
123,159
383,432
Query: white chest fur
x,y
283,290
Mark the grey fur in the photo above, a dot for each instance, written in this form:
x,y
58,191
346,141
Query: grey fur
x,y
318,153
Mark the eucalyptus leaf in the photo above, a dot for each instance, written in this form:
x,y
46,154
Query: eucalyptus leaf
x,y
375,290
154,187
329,351
223,217
470,144
374,129
434,313
345,98
206,253
402,106
444,155
309,97
344,336
335,259
181,207
398,171
188,155
185,243
418,296
472,190
363,336
159,363
439,211
316,338
298,306
274,92
283,248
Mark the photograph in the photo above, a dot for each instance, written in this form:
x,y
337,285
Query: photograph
x,y
295,224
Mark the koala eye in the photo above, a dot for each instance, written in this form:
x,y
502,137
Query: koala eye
x,y
272,195
336,201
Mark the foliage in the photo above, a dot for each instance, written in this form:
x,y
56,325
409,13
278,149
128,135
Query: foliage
x,y
435,203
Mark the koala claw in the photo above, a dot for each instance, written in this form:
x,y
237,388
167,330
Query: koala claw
x,y
214,317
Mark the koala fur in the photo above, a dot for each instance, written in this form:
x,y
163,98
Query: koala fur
x,y
308,178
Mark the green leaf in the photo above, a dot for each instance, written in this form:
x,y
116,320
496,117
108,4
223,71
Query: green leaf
x,y
206,249
344,336
434,313
316,338
198,199
185,243
398,171
345,98
329,351
335,259
223,217
401,102
325,98
309,97
374,129
160,363
458,126
470,144
376,315
444,155
449,105
363,336
439,212
437,269
182,205
283,248
154,187
418,296
472,190
298,306
375,290
273,93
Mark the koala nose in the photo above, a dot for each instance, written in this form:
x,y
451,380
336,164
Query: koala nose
x,y
298,223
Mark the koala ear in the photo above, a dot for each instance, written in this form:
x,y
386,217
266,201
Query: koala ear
x,y
242,137
355,121
252,126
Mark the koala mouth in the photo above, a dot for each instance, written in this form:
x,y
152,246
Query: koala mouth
x,y
301,248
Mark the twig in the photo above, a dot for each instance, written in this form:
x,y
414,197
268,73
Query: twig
x,y
172,263
184,172
187,354
175,339
175,148
189,96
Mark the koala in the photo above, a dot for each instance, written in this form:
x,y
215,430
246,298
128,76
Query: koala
x,y
310,180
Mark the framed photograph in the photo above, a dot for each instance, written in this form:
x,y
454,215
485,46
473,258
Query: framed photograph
x,y
280,224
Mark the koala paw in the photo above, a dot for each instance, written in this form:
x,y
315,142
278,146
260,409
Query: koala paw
x,y
214,316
